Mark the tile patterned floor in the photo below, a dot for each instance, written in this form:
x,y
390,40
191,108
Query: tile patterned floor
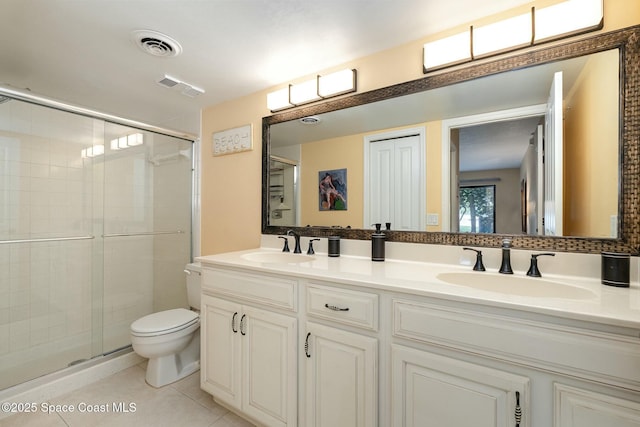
x,y
179,404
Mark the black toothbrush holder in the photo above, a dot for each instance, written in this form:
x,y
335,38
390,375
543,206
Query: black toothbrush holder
x,y
615,269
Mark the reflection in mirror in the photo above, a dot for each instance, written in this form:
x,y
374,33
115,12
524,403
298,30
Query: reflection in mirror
x,y
492,131
571,217
282,191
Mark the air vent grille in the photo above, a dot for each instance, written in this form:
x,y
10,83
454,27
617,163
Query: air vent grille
x,y
310,120
156,44
157,47
168,81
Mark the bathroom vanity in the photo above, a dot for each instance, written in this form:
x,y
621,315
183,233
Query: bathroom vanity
x,y
290,339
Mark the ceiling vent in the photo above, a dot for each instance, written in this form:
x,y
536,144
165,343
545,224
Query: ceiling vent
x,y
156,44
192,91
168,81
310,120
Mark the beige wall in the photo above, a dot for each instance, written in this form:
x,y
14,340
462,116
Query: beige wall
x,y
329,154
591,183
321,155
231,185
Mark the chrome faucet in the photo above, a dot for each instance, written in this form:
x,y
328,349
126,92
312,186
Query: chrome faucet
x,y
505,268
296,236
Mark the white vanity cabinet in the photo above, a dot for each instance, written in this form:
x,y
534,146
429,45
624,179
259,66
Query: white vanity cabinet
x,y
429,390
347,344
579,407
249,354
341,369
556,373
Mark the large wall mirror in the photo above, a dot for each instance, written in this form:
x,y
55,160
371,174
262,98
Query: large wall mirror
x,y
540,146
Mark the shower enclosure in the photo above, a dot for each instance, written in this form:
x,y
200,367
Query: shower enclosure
x,y
95,230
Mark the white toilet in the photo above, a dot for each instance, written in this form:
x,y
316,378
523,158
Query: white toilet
x,y
170,339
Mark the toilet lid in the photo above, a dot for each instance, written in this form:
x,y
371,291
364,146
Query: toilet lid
x,y
164,322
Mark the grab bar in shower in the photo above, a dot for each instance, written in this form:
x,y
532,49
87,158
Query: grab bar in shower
x,y
46,239
143,233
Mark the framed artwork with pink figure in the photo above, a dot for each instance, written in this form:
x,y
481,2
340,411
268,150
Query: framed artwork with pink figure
x,y
332,191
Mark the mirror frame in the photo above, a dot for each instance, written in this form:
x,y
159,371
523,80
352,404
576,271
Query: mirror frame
x,y
627,40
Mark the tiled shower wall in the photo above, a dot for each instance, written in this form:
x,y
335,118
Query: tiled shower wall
x,y
63,301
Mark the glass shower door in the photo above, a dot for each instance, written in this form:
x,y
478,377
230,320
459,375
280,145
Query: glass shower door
x,y
95,230
147,227
50,258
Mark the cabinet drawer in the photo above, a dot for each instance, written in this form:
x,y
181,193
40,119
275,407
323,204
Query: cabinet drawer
x,y
261,289
591,354
343,306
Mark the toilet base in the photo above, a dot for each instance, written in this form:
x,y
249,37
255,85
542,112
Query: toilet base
x,y
168,369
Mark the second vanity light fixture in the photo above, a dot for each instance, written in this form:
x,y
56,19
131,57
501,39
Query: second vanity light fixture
x,y
560,20
321,87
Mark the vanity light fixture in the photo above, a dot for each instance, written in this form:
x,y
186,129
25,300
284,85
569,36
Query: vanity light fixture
x,y
567,18
491,39
304,92
337,83
279,100
560,20
322,87
447,51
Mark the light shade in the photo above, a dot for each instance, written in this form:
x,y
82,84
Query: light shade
x,y
566,18
511,33
278,100
337,83
304,92
447,51
333,84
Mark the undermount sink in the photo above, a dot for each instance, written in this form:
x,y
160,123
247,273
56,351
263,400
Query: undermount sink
x,y
515,285
277,257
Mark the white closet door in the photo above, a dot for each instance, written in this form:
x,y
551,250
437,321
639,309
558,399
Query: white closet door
x,y
396,182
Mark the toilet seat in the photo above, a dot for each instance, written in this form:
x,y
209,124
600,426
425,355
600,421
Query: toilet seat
x,y
164,322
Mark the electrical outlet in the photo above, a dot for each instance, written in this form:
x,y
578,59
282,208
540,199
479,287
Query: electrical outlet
x,y
433,219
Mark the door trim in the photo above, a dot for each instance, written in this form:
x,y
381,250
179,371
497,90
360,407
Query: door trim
x,y
464,121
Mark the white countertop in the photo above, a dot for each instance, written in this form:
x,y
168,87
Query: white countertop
x,y
594,302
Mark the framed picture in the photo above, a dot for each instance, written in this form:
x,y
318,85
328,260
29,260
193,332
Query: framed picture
x,y
332,190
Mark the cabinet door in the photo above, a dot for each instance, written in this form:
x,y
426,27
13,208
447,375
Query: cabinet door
x,y
220,349
269,385
576,407
341,378
433,391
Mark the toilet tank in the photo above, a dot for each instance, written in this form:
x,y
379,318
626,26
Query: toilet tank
x,y
194,275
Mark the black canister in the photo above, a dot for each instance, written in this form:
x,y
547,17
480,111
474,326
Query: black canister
x,y
377,244
334,246
615,269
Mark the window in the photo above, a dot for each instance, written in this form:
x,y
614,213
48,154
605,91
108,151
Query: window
x,y
477,209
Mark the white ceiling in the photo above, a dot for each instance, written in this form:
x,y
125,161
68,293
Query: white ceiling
x,y
81,51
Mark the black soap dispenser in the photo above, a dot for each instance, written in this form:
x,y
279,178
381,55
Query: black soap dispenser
x,y
377,244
